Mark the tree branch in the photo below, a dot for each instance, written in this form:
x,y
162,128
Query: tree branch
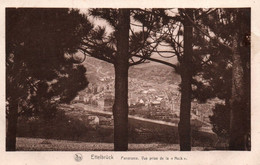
x,y
157,60
205,33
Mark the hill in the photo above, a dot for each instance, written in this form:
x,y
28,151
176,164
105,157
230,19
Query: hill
x,y
151,72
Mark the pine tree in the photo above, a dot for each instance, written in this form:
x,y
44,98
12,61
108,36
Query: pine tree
x,y
39,65
120,48
226,69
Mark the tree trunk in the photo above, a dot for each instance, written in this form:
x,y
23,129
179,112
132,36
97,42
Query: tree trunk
x,y
238,105
12,126
184,127
120,108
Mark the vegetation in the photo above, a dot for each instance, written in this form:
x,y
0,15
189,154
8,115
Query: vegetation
x,y
39,67
226,73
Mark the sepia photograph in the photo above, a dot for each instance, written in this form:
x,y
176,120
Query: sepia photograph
x,y
127,79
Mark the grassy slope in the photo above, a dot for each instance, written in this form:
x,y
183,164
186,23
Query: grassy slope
x,y
72,125
38,144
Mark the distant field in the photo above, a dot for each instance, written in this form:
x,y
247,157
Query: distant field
x,y
158,74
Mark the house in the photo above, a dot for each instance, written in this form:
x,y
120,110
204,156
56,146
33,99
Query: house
x,y
155,103
108,101
93,121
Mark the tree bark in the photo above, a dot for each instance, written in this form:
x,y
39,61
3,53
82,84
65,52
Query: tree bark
x,y
184,127
12,126
120,107
238,104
